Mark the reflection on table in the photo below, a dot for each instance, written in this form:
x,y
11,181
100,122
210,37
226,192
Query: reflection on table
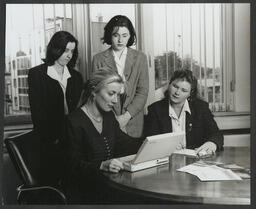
x,y
164,183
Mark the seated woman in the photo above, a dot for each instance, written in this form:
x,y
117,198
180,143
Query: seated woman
x,y
95,138
182,110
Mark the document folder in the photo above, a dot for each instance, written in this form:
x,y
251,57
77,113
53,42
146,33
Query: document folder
x,y
154,151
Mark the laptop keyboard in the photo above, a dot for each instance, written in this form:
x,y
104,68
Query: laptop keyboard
x,y
126,159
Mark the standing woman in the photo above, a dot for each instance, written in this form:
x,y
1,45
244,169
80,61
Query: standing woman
x,y
131,65
55,87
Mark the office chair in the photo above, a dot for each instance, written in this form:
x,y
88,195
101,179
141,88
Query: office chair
x,y
38,169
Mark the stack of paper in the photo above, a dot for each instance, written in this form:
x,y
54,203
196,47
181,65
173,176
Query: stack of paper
x,y
209,172
186,152
192,153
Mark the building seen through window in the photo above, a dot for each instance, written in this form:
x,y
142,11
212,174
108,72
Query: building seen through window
x,y
29,28
190,39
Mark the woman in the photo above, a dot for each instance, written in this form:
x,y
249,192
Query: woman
x,y
182,110
54,91
131,65
94,139
54,87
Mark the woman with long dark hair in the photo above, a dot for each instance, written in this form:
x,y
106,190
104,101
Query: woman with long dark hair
x,y
54,87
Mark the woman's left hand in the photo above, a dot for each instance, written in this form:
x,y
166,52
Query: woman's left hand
x,y
208,148
123,119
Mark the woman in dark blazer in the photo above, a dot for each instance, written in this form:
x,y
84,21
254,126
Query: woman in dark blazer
x,y
95,139
54,87
180,101
132,67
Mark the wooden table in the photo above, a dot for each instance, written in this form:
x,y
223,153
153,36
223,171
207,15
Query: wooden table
x,y
164,183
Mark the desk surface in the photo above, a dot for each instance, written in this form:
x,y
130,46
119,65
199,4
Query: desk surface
x,y
167,184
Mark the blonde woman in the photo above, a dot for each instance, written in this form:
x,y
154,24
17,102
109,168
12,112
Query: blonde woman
x,y
95,139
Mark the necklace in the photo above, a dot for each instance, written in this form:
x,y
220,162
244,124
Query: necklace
x,y
91,116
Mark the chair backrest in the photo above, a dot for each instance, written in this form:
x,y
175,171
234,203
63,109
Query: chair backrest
x,y
34,160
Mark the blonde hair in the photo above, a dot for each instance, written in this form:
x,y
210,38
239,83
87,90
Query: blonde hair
x,y
99,80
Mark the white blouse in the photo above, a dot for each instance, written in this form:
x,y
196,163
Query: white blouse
x,y
51,71
179,123
120,63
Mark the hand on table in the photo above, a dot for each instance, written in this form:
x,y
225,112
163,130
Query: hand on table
x,y
112,165
208,148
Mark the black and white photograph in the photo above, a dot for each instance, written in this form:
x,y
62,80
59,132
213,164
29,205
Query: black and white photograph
x,y
111,103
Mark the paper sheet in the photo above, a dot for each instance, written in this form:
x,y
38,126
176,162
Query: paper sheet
x,y
209,173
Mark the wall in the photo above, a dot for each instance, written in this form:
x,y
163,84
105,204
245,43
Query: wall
x,y
242,56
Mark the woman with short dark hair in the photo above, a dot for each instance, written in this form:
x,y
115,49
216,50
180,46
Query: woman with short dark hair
x,y
54,87
131,65
183,111
119,21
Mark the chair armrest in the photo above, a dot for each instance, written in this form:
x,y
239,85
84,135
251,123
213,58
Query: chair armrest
x,y
40,195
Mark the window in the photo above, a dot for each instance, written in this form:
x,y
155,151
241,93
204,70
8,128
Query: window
x,y
160,58
209,39
29,28
189,37
212,40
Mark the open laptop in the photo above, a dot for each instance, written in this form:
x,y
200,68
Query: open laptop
x,y
154,151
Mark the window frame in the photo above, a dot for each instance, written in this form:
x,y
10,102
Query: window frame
x,y
227,61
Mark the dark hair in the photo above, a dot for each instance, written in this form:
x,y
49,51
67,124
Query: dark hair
x,y
119,21
99,79
57,46
185,75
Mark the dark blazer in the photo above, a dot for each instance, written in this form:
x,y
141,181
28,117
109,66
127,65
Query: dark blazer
x,y
200,125
87,148
47,101
136,86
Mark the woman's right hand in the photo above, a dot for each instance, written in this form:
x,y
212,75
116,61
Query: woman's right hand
x,y
112,165
123,120
180,146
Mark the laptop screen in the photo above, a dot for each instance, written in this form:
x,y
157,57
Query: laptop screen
x,y
158,146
